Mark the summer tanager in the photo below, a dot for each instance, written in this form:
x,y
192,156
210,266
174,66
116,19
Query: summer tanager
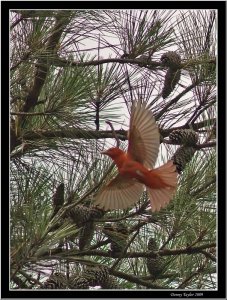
x,y
135,167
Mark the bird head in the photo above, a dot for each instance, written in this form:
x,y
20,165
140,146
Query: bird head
x,y
113,152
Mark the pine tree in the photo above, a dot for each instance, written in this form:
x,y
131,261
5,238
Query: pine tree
x,y
70,72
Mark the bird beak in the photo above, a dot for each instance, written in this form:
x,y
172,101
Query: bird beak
x,y
103,152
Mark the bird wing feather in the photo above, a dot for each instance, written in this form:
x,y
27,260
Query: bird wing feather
x,y
120,193
143,135
159,198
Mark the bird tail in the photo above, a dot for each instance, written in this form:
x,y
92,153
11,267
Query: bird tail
x,y
162,190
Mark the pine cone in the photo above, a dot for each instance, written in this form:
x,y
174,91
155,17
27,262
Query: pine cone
x,y
120,227
118,246
171,60
182,156
184,137
79,214
82,214
58,199
78,282
118,235
55,281
154,265
119,243
171,79
110,283
96,275
70,197
152,245
96,213
86,235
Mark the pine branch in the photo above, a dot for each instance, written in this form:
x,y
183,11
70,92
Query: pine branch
x,y
16,22
59,62
124,251
30,278
206,145
92,134
195,126
23,59
135,279
189,278
209,255
42,67
171,236
206,185
150,64
174,100
20,283
54,65
153,254
102,134
64,210
75,134
199,110
198,146
114,133
31,114
99,244
137,212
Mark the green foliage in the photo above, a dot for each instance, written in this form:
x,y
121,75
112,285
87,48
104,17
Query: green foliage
x,y
70,72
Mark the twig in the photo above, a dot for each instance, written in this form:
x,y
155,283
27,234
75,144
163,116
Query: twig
x,y
152,65
198,111
62,212
211,132
24,57
205,145
99,244
75,134
174,100
207,184
19,282
197,272
97,104
16,22
30,278
62,62
195,126
124,251
114,133
137,226
198,146
170,237
209,255
151,254
137,280
28,114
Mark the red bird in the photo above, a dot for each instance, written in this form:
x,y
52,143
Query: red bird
x,y
135,167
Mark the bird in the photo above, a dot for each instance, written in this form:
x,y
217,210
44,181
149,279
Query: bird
x,y
136,166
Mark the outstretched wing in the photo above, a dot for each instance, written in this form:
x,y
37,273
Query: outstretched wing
x,y
159,198
120,193
144,139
